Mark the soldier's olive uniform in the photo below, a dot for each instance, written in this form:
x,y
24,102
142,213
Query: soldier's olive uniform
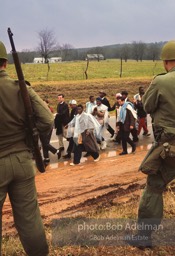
x,y
159,102
16,166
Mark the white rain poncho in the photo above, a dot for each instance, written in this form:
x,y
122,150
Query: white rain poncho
x,y
83,122
103,121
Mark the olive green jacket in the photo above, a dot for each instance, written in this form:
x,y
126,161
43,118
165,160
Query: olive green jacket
x,y
13,122
159,101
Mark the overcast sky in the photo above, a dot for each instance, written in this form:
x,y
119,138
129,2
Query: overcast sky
x,y
87,23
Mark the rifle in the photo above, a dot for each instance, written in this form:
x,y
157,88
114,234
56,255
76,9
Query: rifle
x,y
28,107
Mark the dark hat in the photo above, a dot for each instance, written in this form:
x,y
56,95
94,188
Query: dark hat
x,y
99,99
124,93
103,92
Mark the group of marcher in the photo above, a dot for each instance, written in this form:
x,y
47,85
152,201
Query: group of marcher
x,y
85,129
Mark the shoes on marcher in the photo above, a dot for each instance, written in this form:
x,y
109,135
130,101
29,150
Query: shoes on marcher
x,y
135,139
123,153
97,159
146,134
46,160
61,149
67,156
87,154
59,154
133,148
103,145
117,142
72,164
112,135
140,241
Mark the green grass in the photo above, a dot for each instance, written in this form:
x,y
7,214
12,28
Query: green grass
x,y
68,71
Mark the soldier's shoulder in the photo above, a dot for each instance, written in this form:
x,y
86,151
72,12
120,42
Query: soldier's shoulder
x,y
26,82
159,75
159,78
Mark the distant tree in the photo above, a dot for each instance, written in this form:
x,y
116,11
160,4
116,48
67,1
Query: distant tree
x,y
125,52
47,43
154,51
26,56
138,49
66,50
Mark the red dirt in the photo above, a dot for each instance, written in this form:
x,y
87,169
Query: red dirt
x,y
65,191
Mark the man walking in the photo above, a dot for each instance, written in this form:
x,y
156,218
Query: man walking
x,y
100,112
17,174
134,130
73,113
141,114
85,126
61,120
127,119
105,102
90,104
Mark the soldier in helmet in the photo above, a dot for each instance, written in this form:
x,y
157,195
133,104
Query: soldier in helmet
x,y
158,101
17,173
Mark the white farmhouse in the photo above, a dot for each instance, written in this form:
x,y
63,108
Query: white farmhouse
x,y
38,60
55,59
50,60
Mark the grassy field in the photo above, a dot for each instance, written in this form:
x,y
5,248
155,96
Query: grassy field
x,y
68,71
69,78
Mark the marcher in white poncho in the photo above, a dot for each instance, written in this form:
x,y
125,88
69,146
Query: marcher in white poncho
x,y
100,112
84,129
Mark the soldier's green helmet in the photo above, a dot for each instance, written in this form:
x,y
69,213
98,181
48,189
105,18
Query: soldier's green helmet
x,y
3,52
168,51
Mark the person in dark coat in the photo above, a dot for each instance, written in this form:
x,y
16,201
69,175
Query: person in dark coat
x,y
61,120
73,113
127,118
141,114
134,130
45,141
116,107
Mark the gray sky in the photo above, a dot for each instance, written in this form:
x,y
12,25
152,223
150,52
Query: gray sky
x,y
87,23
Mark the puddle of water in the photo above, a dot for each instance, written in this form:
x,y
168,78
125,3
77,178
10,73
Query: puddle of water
x,y
103,154
111,153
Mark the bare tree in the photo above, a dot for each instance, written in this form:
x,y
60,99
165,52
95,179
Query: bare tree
x,y
138,49
66,51
125,52
154,51
26,56
87,65
47,43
